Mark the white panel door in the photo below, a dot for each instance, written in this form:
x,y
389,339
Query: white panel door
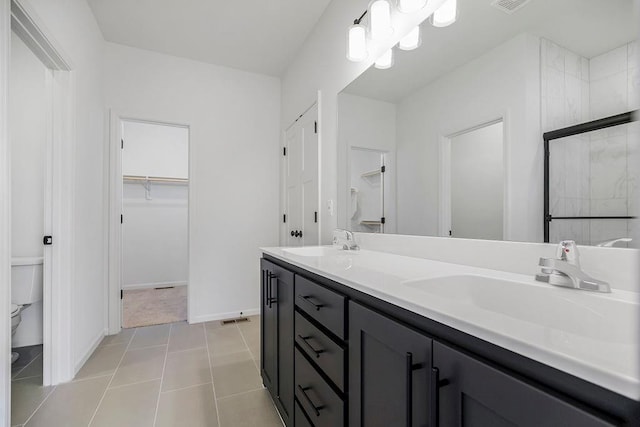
x,y
301,205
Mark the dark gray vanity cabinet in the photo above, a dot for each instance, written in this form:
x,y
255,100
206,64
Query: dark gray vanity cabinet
x,y
276,323
389,372
471,393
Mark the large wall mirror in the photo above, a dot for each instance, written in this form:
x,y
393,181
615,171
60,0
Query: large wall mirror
x,y
457,127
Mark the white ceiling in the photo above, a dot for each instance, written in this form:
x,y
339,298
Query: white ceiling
x,y
587,27
254,35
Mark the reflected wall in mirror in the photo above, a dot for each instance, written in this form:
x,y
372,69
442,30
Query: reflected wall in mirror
x,y
541,68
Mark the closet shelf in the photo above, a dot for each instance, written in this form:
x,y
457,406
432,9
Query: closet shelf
x,y
371,173
371,223
159,179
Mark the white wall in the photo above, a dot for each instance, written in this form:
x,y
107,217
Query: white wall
x,y
321,65
27,117
233,120
366,123
503,83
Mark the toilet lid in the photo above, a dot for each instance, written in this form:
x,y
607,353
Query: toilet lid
x,y
14,309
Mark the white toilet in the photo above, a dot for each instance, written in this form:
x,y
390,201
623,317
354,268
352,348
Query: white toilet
x,y
26,288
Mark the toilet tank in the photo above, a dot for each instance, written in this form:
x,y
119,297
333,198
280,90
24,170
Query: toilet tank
x,y
26,280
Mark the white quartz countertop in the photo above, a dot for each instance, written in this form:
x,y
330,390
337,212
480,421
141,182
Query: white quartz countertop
x,y
593,336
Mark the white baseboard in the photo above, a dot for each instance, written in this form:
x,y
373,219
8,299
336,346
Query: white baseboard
x,y
152,285
222,316
92,347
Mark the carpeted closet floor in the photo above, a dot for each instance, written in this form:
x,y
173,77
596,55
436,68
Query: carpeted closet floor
x,y
145,307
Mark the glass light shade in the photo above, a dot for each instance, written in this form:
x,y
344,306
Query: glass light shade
x,y
357,43
380,19
411,6
385,61
412,40
446,14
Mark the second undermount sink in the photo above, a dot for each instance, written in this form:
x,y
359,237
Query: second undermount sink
x,y
576,312
312,251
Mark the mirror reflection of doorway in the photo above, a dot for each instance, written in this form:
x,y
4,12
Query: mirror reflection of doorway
x,y
477,183
366,209
155,173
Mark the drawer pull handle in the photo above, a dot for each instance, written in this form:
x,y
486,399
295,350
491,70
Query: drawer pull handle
x,y
307,298
316,409
309,346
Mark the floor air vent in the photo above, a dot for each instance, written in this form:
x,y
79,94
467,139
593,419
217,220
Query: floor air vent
x,y
509,6
238,320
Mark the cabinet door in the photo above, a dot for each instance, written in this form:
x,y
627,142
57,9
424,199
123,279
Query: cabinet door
x,y
283,287
389,371
472,393
269,328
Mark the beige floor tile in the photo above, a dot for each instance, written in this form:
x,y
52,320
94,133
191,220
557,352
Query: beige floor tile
x,y
252,325
184,336
139,365
26,395
217,324
33,369
150,336
225,341
103,361
189,407
186,368
132,405
235,373
251,409
71,404
121,338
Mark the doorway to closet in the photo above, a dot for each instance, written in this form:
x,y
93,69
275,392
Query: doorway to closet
x,y
154,223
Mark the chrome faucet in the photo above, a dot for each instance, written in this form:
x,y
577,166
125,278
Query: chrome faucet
x,y
611,243
564,270
346,239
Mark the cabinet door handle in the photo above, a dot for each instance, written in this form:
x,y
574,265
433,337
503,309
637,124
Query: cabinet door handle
x,y
307,299
270,299
409,373
310,347
436,383
316,409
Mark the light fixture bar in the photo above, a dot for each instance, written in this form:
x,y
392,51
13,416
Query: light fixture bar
x,y
411,6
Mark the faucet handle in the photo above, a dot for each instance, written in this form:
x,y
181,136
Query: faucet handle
x,y
568,251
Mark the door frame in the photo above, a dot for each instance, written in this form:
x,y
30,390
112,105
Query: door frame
x,y
58,363
114,196
445,173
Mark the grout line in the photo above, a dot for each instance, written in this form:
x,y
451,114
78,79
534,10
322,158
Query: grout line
x,y
253,356
112,377
241,393
40,405
164,367
213,386
187,349
78,380
116,387
185,388
149,346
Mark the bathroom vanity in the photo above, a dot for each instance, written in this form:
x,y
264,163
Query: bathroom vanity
x,y
365,338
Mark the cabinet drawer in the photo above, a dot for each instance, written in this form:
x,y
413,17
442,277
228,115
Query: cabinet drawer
x,y
323,406
300,417
324,352
324,305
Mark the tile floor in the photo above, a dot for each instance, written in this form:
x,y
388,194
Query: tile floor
x,y
165,375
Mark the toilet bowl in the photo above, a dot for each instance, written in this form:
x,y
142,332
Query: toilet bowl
x,y
26,289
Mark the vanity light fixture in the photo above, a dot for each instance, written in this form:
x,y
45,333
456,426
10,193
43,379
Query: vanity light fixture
x,y
411,6
412,40
446,14
357,41
385,61
380,20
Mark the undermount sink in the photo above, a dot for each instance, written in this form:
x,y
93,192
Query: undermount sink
x,y
575,312
316,251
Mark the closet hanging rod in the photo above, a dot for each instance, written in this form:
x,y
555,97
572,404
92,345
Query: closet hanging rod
x,y
154,179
